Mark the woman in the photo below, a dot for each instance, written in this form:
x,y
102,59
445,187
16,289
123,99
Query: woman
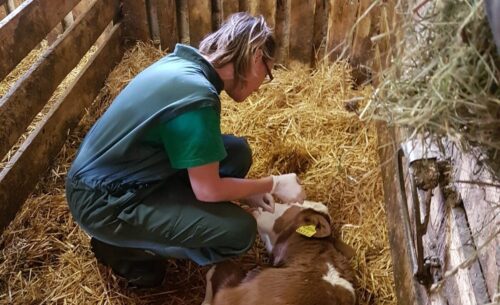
x,y
154,178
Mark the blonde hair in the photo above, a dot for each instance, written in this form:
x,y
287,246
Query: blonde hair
x,y
236,41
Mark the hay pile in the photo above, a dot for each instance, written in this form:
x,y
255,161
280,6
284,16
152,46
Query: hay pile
x,y
444,81
297,123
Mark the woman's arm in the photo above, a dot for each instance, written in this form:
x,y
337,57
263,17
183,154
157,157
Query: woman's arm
x,y
208,186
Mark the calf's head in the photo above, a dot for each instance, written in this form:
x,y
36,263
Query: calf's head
x,y
310,213
311,219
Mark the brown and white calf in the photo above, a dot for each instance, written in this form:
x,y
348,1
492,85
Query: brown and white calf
x,y
305,270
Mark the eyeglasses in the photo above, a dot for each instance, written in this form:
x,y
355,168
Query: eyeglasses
x,y
269,77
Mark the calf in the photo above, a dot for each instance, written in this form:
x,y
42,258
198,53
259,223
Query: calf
x,y
310,265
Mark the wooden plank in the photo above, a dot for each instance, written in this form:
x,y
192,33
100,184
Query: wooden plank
x,y
480,198
229,7
407,290
28,96
135,21
200,20
22,172
22,30
167,19
217,9
320,30
362,48
340,21
282,31
262,7
302,27
154,27
268,10
183,20
470,281
244,6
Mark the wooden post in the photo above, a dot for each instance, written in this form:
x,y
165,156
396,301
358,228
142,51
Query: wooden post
x,y
282,31
320,30
217,13
183,20
167,20
229,7
362,51
302,27
340,21
135,19
154,28
200,20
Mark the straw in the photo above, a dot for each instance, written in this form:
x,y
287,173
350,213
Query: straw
x,y
444,81
297,123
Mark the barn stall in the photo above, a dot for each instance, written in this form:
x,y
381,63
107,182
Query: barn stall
x,y
312,120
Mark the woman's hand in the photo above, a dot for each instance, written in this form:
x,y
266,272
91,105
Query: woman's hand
x,y
264,201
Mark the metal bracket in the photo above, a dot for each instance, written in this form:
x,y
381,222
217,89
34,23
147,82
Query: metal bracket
x,y
421,266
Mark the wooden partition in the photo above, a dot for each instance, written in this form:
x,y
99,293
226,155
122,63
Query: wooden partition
x,y
20,32
306,30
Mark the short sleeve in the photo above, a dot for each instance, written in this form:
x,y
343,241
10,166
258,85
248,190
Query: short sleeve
x,y
193,138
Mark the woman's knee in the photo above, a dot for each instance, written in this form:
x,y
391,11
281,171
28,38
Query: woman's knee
x,y
242,230
239,157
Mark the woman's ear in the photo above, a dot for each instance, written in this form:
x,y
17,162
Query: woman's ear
x,y
257,55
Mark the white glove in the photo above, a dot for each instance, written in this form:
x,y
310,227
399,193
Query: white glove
x,y
264,201
288,189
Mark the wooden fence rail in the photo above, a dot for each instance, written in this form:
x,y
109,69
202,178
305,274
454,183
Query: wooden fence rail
x,y
306,30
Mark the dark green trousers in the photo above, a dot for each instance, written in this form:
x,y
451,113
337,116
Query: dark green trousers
x,y
166,218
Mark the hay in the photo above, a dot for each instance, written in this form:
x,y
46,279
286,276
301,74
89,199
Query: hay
x,y
297,123
444,81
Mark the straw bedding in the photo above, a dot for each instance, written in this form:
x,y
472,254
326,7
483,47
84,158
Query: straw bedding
x,y
297,123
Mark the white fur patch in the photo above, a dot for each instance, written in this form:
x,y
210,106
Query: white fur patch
x,y
317,206
209,293
333,277
265,224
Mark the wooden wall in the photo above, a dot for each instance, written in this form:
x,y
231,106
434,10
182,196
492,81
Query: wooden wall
x,y
306,30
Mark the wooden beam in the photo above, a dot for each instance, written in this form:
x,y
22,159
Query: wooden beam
x,y
341,18
183,20
362,47
21,174
480,198
407,291
229,7
22,30
302,27
135,21
217,9
268,10
154,26
28,96
320,30
282,31
200,20
167,20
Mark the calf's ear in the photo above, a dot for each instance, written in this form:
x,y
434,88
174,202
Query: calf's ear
x,y
323,228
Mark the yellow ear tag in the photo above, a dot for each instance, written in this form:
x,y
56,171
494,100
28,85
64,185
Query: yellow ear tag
x,y
308,230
